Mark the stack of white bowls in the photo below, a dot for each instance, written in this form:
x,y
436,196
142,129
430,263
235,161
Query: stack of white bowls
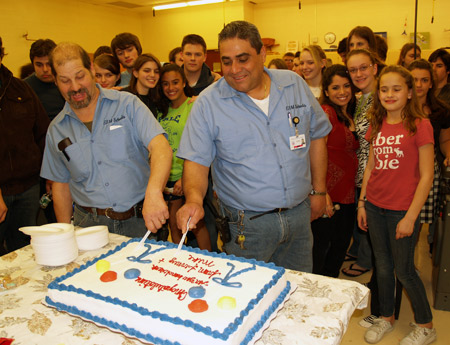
x,y
53,244
92,238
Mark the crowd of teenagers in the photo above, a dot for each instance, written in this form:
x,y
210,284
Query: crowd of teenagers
x,y
389,139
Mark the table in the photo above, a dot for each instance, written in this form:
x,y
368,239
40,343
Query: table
x,y
318,312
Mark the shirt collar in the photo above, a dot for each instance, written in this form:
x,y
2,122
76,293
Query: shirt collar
x,y
278,81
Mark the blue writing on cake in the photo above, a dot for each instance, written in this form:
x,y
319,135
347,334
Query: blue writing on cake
x,y
226,281
147,252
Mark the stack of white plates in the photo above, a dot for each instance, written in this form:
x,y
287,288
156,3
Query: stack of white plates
x,y
53,244
92,238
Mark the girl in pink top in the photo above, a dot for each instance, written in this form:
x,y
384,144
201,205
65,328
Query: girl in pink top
x,y
396,183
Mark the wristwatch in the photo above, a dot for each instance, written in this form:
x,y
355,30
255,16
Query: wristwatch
x,y
314,192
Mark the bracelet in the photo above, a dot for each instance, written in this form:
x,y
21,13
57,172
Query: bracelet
x,y
314,192
363,199
359,207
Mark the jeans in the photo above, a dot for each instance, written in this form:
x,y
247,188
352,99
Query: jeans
x,y
331,239
22,211
361,247
283,238
132,227
391,254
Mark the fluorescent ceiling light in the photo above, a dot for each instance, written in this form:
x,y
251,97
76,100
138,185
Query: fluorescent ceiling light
x,y
170,6
203,2
185,4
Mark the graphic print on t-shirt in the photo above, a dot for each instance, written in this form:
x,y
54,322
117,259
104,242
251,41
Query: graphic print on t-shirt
x,y
387,151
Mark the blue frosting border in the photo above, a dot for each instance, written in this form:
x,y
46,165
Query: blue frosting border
x,y
232,327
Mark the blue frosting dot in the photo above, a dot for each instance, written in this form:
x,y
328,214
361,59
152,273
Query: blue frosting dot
x,y
132,273
197,292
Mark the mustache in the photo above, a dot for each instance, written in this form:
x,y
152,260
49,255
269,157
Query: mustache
x,y
73,93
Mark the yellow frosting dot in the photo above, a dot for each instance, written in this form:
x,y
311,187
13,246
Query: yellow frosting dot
x,y
102,266
227,303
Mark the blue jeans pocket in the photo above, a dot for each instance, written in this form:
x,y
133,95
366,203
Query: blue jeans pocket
x,y
81,218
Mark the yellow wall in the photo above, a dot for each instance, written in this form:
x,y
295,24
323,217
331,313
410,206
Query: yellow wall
x,y
166,29
284,21
60,20
92,26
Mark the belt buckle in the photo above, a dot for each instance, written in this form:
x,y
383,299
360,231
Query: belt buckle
x,y
106,212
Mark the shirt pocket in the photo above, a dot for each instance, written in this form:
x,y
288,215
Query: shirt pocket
x,y
237,144
77,164
121,144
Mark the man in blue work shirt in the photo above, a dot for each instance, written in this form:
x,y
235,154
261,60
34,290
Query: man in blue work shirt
x,y
97,152
264,134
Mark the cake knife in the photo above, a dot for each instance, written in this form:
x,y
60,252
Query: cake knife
x,y
184,236
141,242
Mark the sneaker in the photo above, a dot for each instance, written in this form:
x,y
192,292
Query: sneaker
x,y
419,336
375,332
368,321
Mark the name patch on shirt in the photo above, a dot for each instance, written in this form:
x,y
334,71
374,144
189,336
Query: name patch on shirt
x,y
295,106
114,119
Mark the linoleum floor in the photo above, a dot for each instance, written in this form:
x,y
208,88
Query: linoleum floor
x,y
441,319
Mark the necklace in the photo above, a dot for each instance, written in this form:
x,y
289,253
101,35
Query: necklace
x,y
361,104
265,87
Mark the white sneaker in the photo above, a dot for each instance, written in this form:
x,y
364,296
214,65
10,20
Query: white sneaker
x,y
419,336
368,321
376,332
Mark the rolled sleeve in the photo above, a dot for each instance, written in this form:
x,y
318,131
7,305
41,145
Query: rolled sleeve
x,y
53,167
197,143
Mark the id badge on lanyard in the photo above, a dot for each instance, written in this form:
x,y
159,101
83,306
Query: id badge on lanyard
x,y
298,141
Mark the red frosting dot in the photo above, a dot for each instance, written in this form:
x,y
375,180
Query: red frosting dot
x,y
108,276
198,306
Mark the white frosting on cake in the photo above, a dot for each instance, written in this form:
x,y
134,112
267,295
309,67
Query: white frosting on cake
x,y
154,306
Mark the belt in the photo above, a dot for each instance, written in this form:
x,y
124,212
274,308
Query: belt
x,y
275,210
110,213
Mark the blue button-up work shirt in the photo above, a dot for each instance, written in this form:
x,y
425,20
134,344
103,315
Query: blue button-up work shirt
x,y
110,166
253,165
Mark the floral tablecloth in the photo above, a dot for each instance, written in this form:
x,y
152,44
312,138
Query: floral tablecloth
x,y
318,311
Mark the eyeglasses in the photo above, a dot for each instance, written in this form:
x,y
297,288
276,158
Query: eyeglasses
x,y
361,69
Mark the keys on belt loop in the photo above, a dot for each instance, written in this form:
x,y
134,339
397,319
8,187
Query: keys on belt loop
x,y
240,238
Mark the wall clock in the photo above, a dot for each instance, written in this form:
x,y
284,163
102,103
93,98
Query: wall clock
x,y
330,37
